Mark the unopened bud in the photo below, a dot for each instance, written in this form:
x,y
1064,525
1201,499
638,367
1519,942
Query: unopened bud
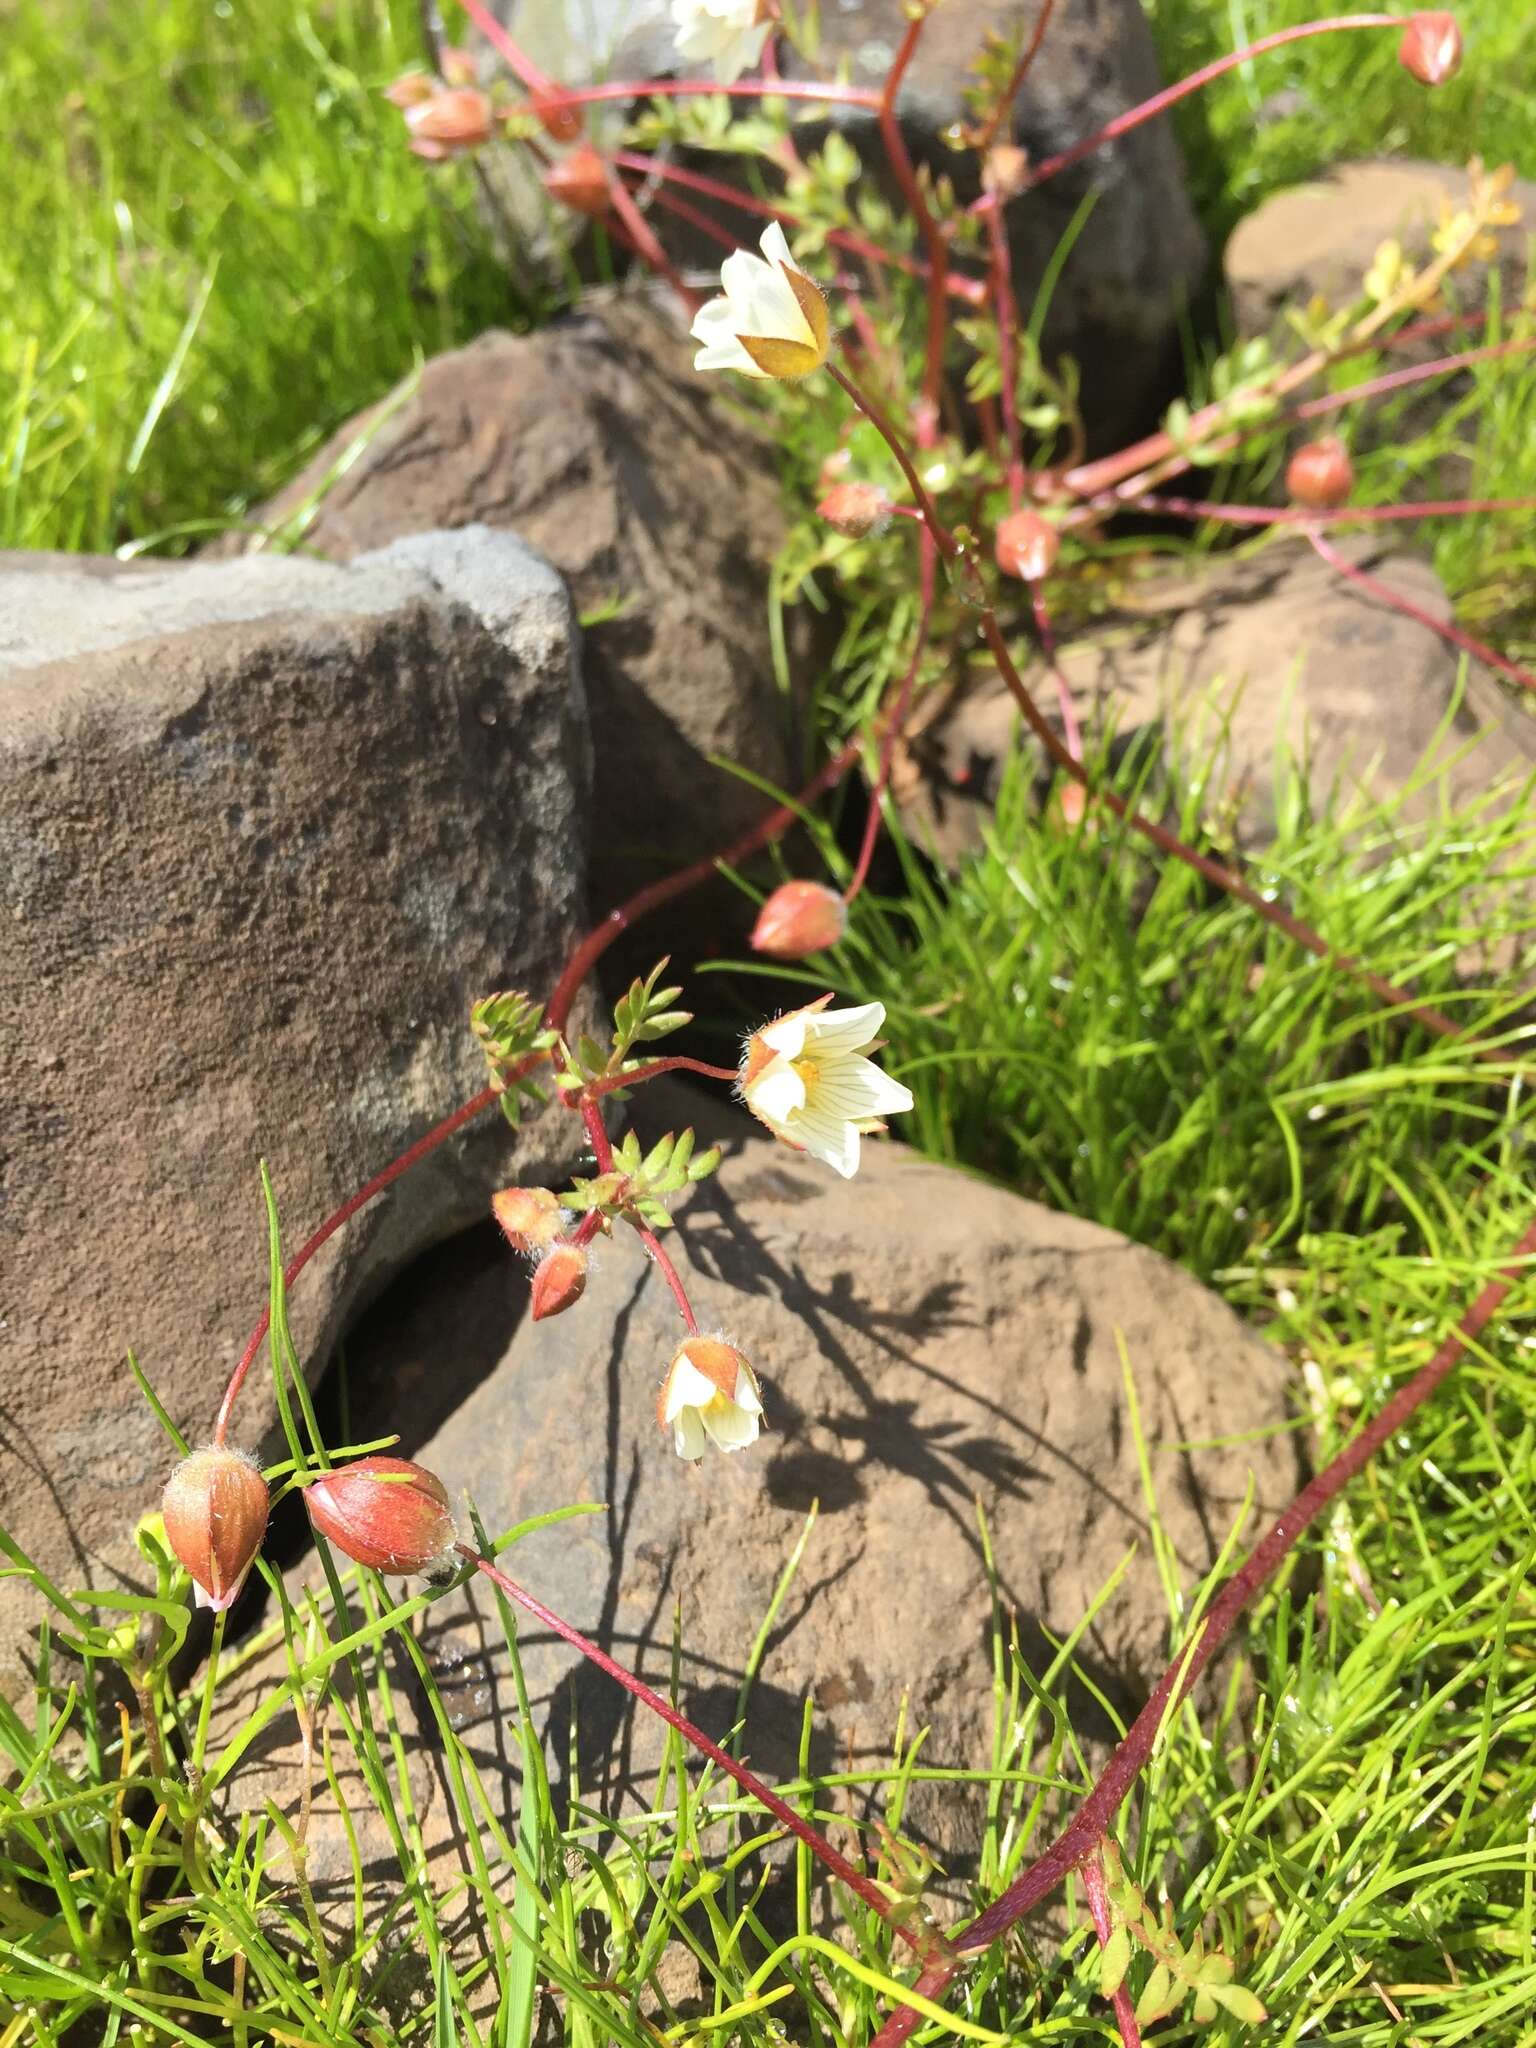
x,y
1320,476
1027,546
856,509
799,918
580,181
531,1217
386,1513
560,123
450,123
559,1280
1006,170
215,1510
1431,48
458,66
410,89
710,1395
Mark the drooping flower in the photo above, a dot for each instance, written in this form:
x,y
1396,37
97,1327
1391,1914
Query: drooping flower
x,y
559,1280
806,1076
1319,475
385,1512
450,123
770,320
729,34
215,1510
710,1395
799,918
1431,48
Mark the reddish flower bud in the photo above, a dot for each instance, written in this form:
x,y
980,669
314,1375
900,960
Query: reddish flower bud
x,y
1006,170
1319,476
458,66
560,123
1027,546
387,1513
1431,48
856,509
450,123
215,1510
559,1279
531,1217
799,918
410,89
580,181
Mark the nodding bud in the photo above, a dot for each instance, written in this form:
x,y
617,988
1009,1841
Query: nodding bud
x,y
799,918
856,509
1431,48
580,181
559,1279
1027,546
1320,476
531,1217
450,123
387,1513
560,123
1005,170
410,89
458,66
215,1510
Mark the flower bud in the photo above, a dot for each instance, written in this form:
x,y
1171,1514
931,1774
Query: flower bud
x,y
531,1217
387,1513
450,123
1431,48
1005,170
580,181
410,89
1027,546
1319,475
560,123
215,1510
710,1395
559,1279
856,509
799,918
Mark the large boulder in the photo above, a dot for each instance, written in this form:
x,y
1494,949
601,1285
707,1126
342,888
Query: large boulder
x,y
1233,663
267,828
929,1345
596,443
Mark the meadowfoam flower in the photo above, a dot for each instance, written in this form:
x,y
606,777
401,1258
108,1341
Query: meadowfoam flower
x,y
710,1395
729,34
770,321
806,1076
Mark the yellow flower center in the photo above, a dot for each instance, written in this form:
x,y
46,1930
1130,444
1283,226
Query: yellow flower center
x,y
808,1071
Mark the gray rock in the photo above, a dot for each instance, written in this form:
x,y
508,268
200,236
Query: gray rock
x,y
594,440
267,827
1230,663
926,1342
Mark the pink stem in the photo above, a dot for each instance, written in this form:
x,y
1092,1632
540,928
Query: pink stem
x,y
696,217
923,1940
1071,732
695,88
1417,373
517,61
1103,1926
1148,110
603,1153
1007,346
896,718
643,235
1088,1826
1448,632
676,1063
944,540
1301,515
934,240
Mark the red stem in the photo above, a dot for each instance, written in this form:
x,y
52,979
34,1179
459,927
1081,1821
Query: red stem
x,y
944,540
1446,631
1088,1826
521,65
675,1063
643,235
923,1940
933,236
1417,373
1103,1926
1171,95
695,88
1004,106
896,718
1007,348
603,1152
1301,515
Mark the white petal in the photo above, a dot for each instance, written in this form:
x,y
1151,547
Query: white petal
x,y
774,246
856,1088
688,1439
686,1388
730,1426
741,52
778,1093
747,1393
831,1140
845,1030
786,1035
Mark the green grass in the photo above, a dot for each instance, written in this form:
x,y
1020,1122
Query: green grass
x,y
216,247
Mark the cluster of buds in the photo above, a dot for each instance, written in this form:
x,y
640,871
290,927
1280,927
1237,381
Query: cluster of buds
x,y
447,116
1320,476
534,1224
387,1513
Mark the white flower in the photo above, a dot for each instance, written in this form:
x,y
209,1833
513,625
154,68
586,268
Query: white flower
x,y
771,321
710,1394
725,33
805,1076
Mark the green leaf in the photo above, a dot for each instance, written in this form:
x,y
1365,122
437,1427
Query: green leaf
x,y
1204,2008
1114,1962
1240,2003
1159,1996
